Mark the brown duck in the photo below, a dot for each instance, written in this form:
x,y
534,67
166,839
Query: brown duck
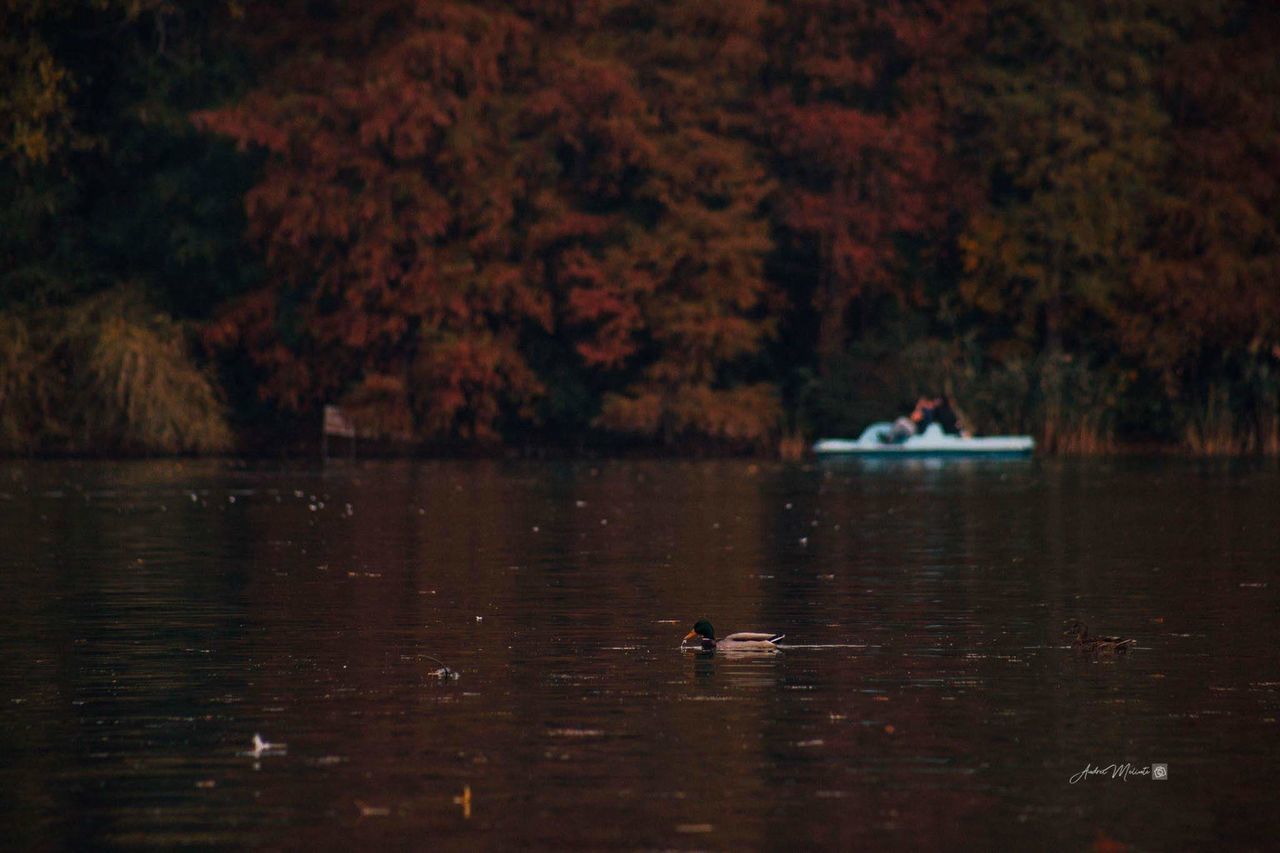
x,y
1085,642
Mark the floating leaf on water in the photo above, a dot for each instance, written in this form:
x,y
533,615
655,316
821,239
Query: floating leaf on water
x,y
367,810
464,800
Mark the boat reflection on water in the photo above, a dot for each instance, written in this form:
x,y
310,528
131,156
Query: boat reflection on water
x,y
916,463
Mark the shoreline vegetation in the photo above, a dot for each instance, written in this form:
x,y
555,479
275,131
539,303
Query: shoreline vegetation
x,y
627,227
303,451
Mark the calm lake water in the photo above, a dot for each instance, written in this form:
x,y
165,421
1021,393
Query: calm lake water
x,y
154,616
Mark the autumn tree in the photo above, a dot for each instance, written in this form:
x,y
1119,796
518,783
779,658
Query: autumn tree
x,y
859,144
656,237
1062,119
386,212
453,191
1204,311
680,222
851,116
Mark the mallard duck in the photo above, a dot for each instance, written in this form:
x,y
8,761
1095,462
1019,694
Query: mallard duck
x,y
744,640
1081,639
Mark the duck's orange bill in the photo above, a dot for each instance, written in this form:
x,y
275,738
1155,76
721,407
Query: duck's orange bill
x,y
690,636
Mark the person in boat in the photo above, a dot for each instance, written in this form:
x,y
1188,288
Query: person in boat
x,y
941,413
908,425
928,410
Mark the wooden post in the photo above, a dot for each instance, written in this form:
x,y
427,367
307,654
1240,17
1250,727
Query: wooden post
x,y
336,423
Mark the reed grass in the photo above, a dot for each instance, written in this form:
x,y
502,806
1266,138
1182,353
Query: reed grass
x,y
106,373
1234,419
1078,405
1212,429
24,390
142,392
1269,422
792,445
1068,404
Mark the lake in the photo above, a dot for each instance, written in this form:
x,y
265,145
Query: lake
x,y
156,615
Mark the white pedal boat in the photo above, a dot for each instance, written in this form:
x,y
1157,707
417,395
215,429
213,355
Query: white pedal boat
x,y
932,441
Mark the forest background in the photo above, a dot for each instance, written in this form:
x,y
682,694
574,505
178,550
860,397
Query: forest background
x,y
690,225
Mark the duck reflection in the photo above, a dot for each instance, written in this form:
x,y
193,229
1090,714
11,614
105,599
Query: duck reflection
x,y
736,669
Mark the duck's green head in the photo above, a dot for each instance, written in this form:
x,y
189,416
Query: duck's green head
x,y
1075,629
701,628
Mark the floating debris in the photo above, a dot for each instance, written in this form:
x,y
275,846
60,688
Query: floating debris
x,y
367,810
464,800
262,747
445,672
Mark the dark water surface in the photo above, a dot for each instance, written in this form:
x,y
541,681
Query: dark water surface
x,y
154,616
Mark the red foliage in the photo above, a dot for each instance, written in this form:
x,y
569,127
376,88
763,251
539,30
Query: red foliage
x,y
652,233
862,140
443,177
386,209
